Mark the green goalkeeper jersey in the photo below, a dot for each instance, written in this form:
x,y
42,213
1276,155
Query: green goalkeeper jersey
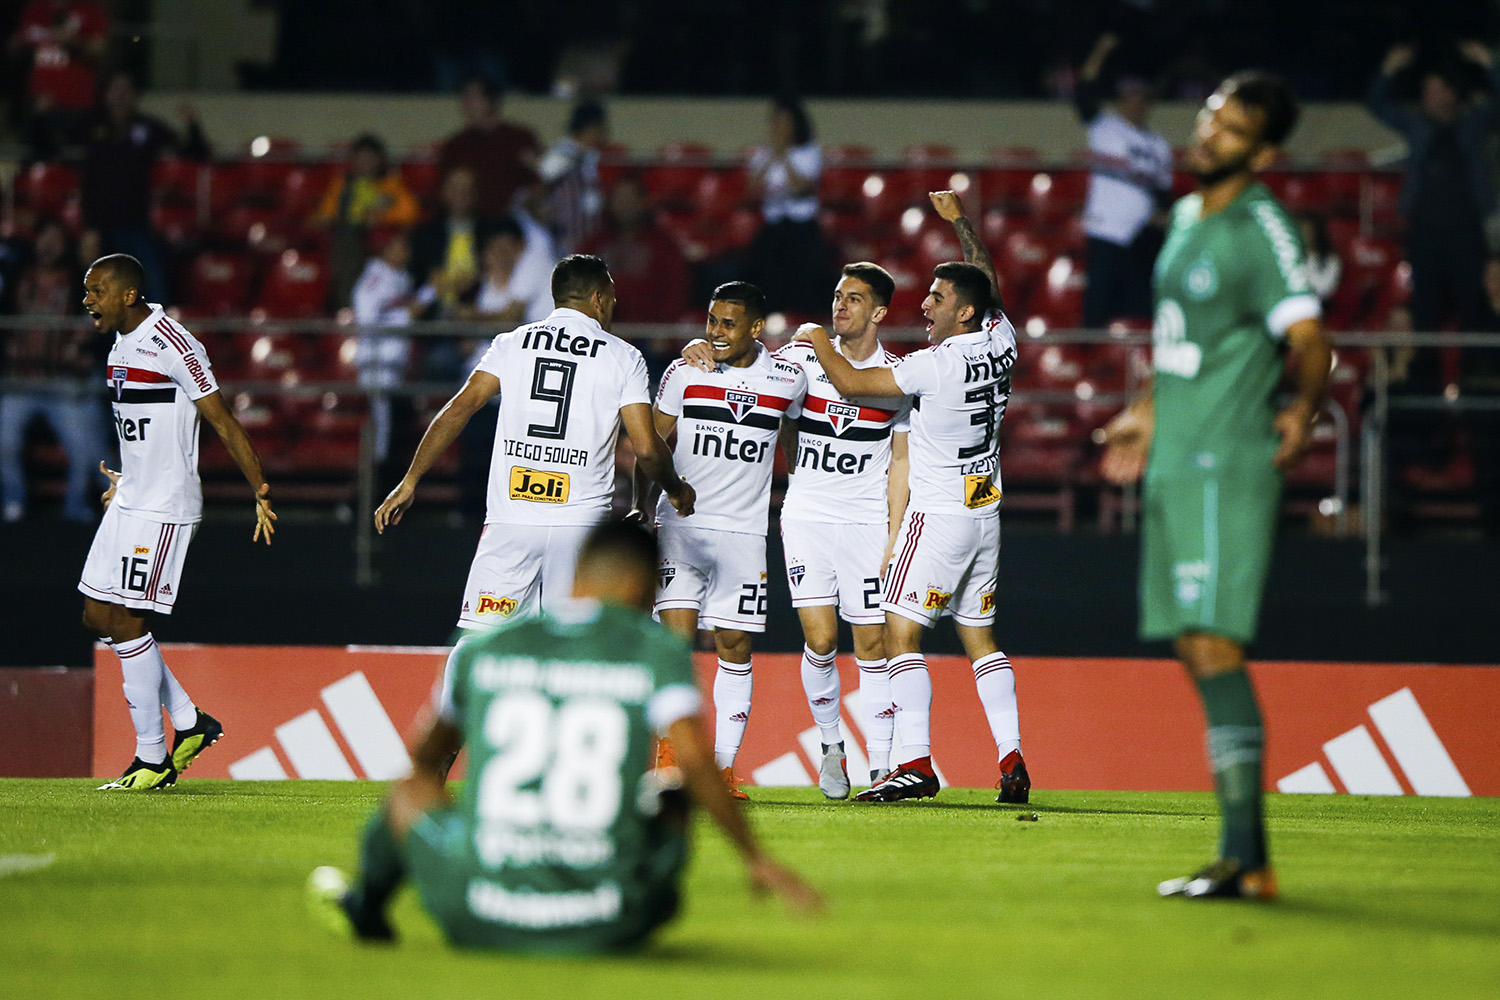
x,y
559,714
1227,287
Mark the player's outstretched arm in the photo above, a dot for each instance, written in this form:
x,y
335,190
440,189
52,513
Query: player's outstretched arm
x,y
950,207
227,426
851,382
442,432
1127,440
648,429
1312,357
704,783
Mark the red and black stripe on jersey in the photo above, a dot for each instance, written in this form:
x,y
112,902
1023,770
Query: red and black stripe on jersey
x,y
845,421
119,377
733,406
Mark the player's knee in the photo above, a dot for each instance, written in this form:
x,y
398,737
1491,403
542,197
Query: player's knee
x,y
733,646
96,620
821,641
869,643
1206,655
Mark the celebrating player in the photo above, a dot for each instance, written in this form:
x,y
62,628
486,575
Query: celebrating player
x,y
564,841
161,384
844,500
946,554
566,387
713,563
1231,294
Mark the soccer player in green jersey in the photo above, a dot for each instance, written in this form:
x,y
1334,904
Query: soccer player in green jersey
x,y
1232,302
562,839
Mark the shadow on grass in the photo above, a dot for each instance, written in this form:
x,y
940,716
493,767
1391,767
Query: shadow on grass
x,y
1040,808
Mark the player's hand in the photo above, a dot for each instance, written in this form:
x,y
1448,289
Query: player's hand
x,y
700,354
804,334
1294,424
394,506
769,878
950,207
1398,58
114,484
265,517
1127,443
683,500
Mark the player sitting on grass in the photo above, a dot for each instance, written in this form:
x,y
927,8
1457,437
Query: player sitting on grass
x,y
562,840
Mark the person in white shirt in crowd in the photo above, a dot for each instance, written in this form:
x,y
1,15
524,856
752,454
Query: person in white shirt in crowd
x,y
571,199
1130,184
1324,266
515,278
788,258
384,297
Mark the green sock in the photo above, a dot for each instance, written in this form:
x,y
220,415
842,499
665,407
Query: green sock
x,y
1236,743
381,866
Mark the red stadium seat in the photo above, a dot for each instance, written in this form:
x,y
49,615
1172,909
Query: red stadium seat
x,y
848,154
46,188
303,187
720,191
675,185
422,177
297,286
685,152
1006,189
182,181
1058,300
219,284
1057,193
1013,157
177,224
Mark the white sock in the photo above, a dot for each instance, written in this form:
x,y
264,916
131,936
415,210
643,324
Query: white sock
x,y
175,700
732,686
879,712
911,690
820,679
451,664
996,682
142,666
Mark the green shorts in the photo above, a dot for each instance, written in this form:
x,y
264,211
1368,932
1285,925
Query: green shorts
x,y
1206,540
440,863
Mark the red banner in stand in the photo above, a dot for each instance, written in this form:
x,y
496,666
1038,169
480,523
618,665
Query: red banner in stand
x,y
333,712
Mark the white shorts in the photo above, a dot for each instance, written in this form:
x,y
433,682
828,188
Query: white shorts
x,y
136,562
519,569
836,564
719,574
944,564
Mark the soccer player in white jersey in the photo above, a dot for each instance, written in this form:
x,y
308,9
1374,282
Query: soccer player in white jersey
x,y
161,385
713,563
566,385
947,553
844,501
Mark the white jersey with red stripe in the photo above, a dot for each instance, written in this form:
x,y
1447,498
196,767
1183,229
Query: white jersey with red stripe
x,y
728,421
563,381
155,373
843,446
960,389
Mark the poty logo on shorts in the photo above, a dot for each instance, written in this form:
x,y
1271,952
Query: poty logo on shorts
x,y
842,416
117,377
740,402
142,550
937,600
987,603
503,606
795,574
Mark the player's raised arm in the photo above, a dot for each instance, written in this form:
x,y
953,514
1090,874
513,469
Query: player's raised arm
x,y
848,380
648,429
227,426
951,208
442,432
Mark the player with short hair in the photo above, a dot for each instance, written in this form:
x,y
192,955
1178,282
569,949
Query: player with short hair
x,y
1232,300
845,497
563,840
161,386
567,386
947,553
713,563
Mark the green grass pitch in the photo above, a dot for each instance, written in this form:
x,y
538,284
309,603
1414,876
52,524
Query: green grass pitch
x,y
198,892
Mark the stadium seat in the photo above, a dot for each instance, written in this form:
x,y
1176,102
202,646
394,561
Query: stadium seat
x,y
1057,193
219,284
422,177
848,154
302,189
675,185
1058,300
720,191
179,181
46,188
1006,189
685,152
297,286
1014,157
176,224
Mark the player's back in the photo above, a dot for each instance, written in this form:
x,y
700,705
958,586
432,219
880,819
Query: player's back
x,y
559,715
961,387
563,381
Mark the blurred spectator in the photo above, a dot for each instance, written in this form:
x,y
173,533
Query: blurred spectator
x,y
788,258
62,43
1325,269
121,146
516,283
650,271
367,195
1130,183
1448,189
446,248
53,361
383,297
502,156
571,200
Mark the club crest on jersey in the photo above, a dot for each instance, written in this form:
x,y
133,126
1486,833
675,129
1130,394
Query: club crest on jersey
x,y
740,402
842,416
795,574
667,573
117,377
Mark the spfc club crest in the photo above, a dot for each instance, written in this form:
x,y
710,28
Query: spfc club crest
x,y
740,402
842,416
667,572
117,377
795,574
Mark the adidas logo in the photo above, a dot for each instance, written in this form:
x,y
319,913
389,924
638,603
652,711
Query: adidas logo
x,y
1362,769
308,744
911,598
740,717
820,702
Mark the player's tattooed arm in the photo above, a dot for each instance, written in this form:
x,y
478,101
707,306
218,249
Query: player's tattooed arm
x,y
222,419
951,208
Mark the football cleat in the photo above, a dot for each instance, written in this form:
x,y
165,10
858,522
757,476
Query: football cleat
x,y
328,901
1015,783
189,743
877,775
733,783
833,774
1224,879
905,782
143,777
